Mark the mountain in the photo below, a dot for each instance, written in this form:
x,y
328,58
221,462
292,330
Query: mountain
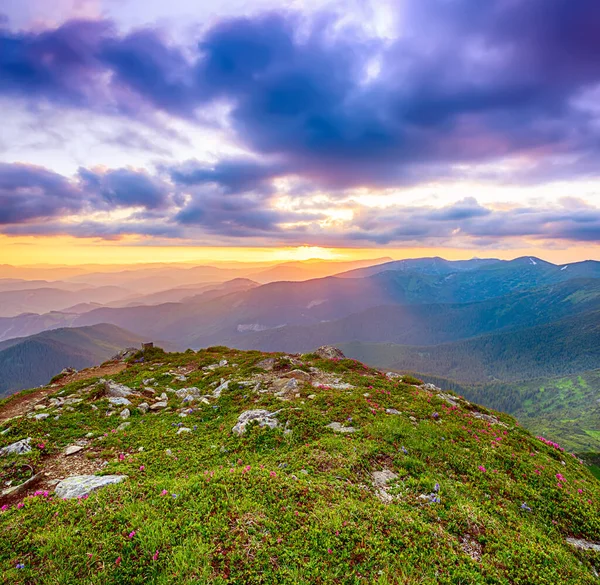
x,y
327,472
563,347
31,361
16,302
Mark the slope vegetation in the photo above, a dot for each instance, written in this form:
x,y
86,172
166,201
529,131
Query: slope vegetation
x,y
344,476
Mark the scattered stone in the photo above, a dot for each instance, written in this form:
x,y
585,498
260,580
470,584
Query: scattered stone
x,y
412,418
264,418
304,472
14,490
148,381
380,481
284,386
39,407
94,407
6,431
158,405
72,449
488,418
125,413
123,426
451,400
311,396
78,486
168,452
41,416
223,386
119,401
180,378
164,396
143,407
392,375
89,435
181,430
339,428
72,400
114,390
298,375
19,448
392,411
109,413
329,352
267,364
582,544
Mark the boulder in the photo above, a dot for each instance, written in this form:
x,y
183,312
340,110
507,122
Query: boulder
x,y
300,375
125,413
114,390
284,386
41,416
78,486
264,418
158,405
220,388
267,364
119,401
329,352
18,448
72,449
143,407
339,428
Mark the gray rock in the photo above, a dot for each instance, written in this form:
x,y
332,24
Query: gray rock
x,y
380,481
119,401
267,364
72,449
16,489
311,396
392,375
5,431
188,394
39,407
339,428
220,388
115,390
123,426
582,544
451,400
158,405
41,416
181,430
125,413
18,448
329,352
285,386
300,375
264,418
143,407
392,411
78,486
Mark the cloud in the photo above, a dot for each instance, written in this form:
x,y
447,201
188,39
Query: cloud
x,y
464,82
126,188
29,192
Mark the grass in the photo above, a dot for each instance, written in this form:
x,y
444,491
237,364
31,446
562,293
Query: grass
x,y
274,507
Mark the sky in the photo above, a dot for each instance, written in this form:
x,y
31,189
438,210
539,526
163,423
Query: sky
x,y
141,129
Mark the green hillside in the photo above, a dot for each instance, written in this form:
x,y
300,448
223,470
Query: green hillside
x,y
352,478
563,347
31,361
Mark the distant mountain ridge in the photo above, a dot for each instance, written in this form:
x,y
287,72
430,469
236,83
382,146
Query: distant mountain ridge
x,y
31,361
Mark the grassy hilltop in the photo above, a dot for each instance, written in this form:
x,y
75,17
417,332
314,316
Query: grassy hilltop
x,y
412,485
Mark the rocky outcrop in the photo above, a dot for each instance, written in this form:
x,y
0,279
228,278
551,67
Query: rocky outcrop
x,y
78,486
263,418
328,352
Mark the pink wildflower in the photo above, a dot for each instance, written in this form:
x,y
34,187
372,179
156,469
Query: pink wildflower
x,y
481,468
131,534
142,467
164,493
155,556
118,561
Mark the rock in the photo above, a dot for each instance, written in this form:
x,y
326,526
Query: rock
x,y
39,407
41,416
143,407
222,363
78,486
582,544
298,375
181,430
339,428
380,481
164,396
158,405
188,394
392,411
264,418
392,375
19,448
329,352
14,490
179,378
488,418
114,390
6,431
125,413
72,400
72,449
451,400
311,396
284,386
89,435
148,381
220,388
94,407
123,426
119,401
267,364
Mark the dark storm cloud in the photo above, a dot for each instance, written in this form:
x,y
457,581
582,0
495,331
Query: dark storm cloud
x,y
465,82
29,192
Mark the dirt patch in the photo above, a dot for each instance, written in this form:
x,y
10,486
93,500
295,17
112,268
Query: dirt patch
x,y
21,403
